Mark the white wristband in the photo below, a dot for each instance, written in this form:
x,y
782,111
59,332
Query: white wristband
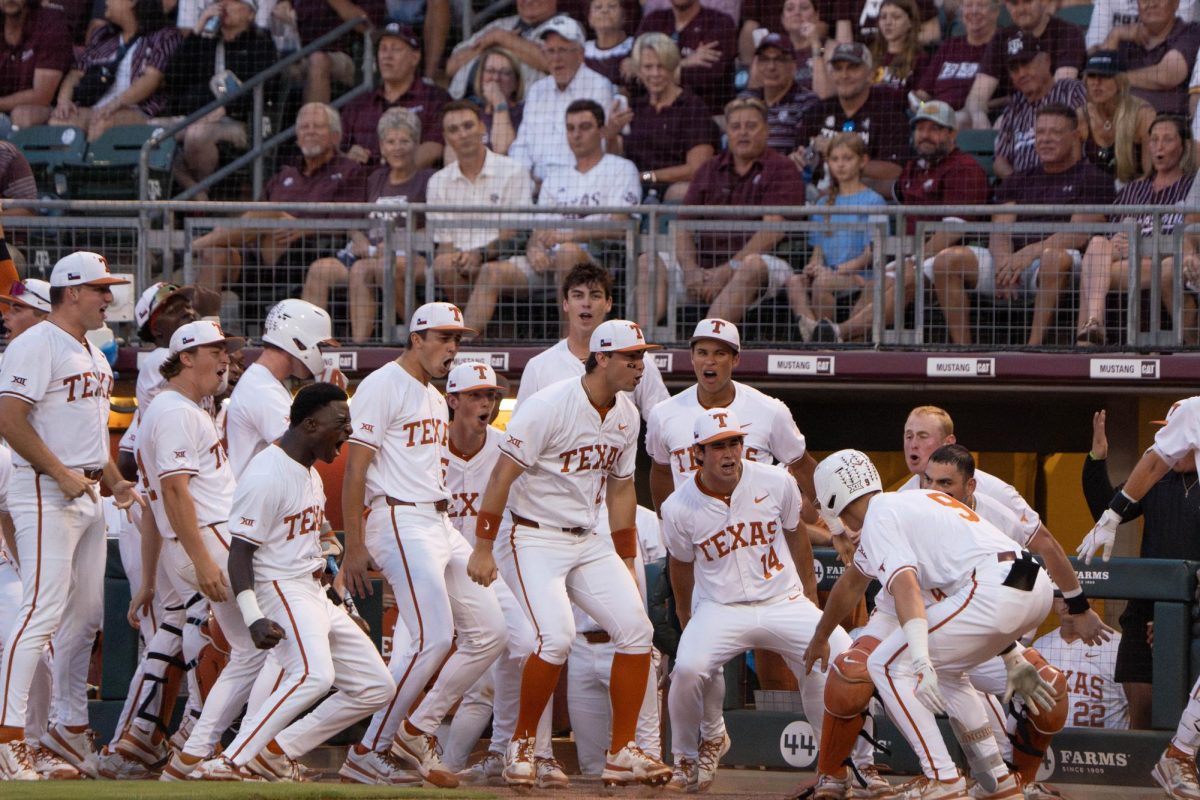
x,y
248,604
916,631
1016,652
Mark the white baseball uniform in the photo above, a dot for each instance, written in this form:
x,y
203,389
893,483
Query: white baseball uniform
x,y
558,362
613,181
750,592
1181,433
257,415
279,507
409,535
950,550
67,383
1096,699
998,489
178,437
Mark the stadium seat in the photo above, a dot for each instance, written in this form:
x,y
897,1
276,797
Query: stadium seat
x,y
981,144
110,169
48,147
1076,15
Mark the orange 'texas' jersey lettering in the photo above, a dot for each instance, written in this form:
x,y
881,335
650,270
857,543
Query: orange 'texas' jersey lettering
x,y
739,535
218,451
87,384
1083,684
686,462
307,521
463,504
425,431
591,456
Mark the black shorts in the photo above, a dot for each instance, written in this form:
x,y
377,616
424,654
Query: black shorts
x,y
1135,659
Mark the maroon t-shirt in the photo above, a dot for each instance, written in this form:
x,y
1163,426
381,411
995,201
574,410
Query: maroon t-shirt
x,y
659,139
1061,39
956,180
714,83
1185,38
45,44
882,122
1082,184
360,118
885,76
769,13
951,71
773,180
338,180
380,189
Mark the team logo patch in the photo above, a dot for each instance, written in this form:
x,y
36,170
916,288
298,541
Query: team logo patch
x,y
366,426
18,380
181,454
249,523
514,441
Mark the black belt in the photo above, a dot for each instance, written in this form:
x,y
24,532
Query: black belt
x,y
596,637
1024,572
93,474
529,523
441,506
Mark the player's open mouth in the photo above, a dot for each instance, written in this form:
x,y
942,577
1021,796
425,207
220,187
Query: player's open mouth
x,y
484,418
709,373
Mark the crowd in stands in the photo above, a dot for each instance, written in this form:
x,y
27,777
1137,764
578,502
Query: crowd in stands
x,y
616,102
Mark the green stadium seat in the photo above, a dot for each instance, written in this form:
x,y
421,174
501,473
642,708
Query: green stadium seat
x,y
48,147
1076,15
981,144
110,169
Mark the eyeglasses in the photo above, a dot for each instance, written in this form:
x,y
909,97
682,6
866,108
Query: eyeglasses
x,y
19,290
498,73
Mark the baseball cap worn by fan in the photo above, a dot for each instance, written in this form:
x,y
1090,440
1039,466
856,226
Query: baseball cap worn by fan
x,y
438,317
715,424
938,113
619,336
401,32
82,268
32,293
202,332
565,27
780,42
720,330
1105,63
471,376
1022,47
852,52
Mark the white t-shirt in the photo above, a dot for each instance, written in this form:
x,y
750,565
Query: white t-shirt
x,y
568,453
68,383
1096,699
541,143
558,363
988,484
737,550
279,506
466,480
1107,14
502,183
614,181
1181,433
405,422
771,433
178,437
257,414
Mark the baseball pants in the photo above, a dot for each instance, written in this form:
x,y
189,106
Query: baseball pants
x,y
72,643
323,649
589,670
424,559
966,629
719,631
38,706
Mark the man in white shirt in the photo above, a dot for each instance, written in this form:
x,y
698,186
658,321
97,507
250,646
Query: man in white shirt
x,y
1096,699
541,143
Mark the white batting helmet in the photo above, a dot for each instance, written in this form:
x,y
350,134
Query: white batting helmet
x,y
842,477
298,328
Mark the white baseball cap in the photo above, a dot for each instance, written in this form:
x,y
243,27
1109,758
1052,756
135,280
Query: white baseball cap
x,y
438,317
32,293
151,299
200,333
470,376
720,329
619,336
565,27
715,424
82,268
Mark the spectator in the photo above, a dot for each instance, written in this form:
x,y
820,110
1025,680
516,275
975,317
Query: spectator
x,y
520,34
798,21
433,19
775,16
730,270
1036,87
866,24
1094,698
399,181
314,19
1108,14
16,179
541,143
774,66
187,13
1159,52
246,50
899,57
840,261
477,177
875,113
707,42
35,53
322,176
1058,38
398,52
118,80
1016,265
1118,122
1170,519
608,53
953,68
671,134
596,179
500,94
1106,265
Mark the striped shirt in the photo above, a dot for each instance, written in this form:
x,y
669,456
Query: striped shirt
x,y
1014,141
152,51
16,176
785,116
1142,193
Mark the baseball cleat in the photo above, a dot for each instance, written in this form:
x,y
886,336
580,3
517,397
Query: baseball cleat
x,y
77,749
117,767
1175,772
376,768
422,751
1041,791
684,776
830,787
219,769
15,762
520,771
180,767
631,765
871,787
709,758
550,774
275,767
180,736
924,788
1007,789
51,767
488,771
138,745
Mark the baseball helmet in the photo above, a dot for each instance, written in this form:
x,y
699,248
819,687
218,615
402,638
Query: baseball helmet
x,y
842,477
298,328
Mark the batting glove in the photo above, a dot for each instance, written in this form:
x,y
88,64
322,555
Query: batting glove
x,y
1101,538
1022,678
927,686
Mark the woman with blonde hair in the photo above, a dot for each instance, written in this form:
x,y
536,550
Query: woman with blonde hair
x,y
899,57
499,90
1118,122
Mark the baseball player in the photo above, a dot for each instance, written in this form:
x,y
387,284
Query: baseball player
x,y
275,560
396,470
736,524
567,448
1095,698
54,390
987,593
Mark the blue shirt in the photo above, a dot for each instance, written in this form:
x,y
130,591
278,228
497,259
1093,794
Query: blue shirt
x,y
849,236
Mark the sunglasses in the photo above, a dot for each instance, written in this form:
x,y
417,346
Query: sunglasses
x,y
20,290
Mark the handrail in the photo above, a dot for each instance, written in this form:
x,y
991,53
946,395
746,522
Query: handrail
x,y
253,84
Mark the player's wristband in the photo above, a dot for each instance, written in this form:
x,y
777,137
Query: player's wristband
x,y
248,604
1123,506
1077,602
487,525
625,542
916,632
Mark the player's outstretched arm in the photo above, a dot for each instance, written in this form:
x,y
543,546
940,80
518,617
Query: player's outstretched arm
x,y
842,600
683,582
1087,622
481,566
181,513
355,560
621,496
266,633
802,470
1103,537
